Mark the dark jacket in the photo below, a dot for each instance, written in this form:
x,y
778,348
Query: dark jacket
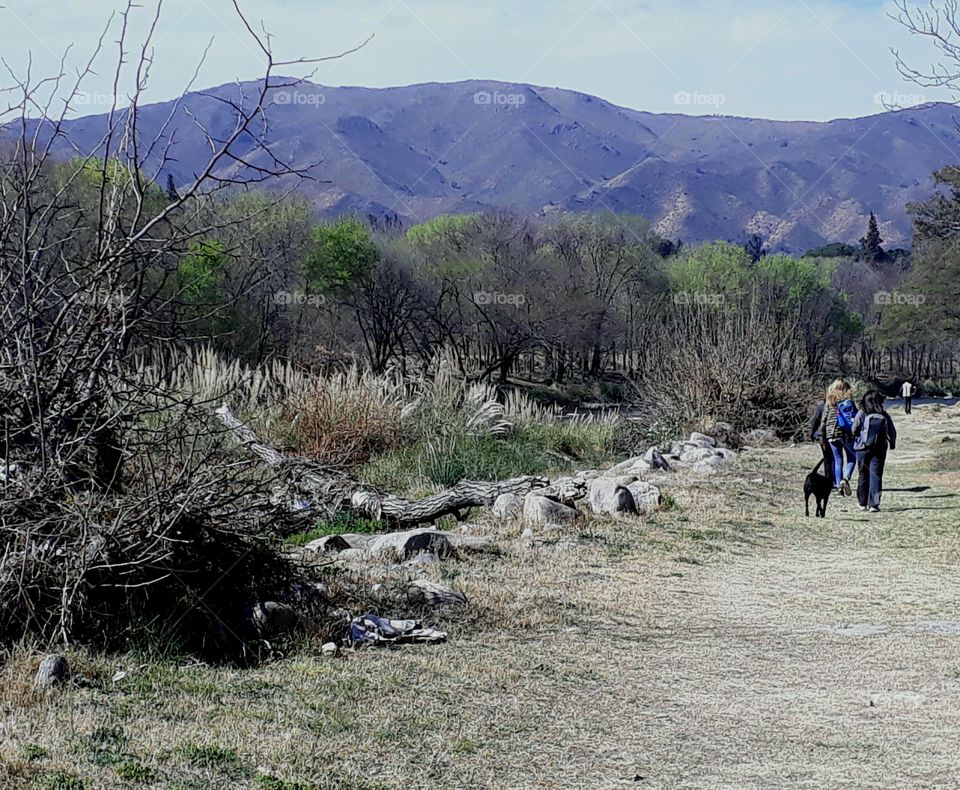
x,y
815,422
880,429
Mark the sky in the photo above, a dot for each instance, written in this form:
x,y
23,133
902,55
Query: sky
x,y
782,59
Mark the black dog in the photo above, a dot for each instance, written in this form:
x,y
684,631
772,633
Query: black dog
x,y
820,487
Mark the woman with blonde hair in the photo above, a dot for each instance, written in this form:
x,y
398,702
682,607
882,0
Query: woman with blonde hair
x,y
836,430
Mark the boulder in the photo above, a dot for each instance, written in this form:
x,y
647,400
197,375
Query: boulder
x,y
654,458
694,455
702,440
541,510
53,671
330,543
725,434
271,619
609,496
472,544
404,545
646,497
508,507
433,594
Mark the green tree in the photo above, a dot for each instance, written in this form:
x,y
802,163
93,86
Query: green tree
x,y
871,245
338,255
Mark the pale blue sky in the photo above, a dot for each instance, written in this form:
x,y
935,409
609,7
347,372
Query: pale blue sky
x,y
790,59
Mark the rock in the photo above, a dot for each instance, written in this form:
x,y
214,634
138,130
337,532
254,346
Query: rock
x,y
352,554
330,543
541,510
589,474
508,507
404,545
433,594
271,619
473,544
565,490
53,670
527,535
646,497
654,458
760,437
702,440
610,497
725,434
423,558
695,455
330,650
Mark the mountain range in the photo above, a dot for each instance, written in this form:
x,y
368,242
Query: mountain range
x,y
423,150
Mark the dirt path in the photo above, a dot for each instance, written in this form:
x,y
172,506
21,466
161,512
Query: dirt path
x,y
829,659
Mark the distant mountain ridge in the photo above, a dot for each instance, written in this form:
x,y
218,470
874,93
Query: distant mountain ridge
x,y
422,150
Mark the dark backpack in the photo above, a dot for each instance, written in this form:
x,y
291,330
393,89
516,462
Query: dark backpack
x,y
846,411
873,433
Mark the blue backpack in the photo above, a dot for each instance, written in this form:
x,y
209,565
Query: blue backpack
x,y
846,411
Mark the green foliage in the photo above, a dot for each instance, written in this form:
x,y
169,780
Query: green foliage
x,y
338,255
201,271
224,761
339,524
719,268
833,250
871,245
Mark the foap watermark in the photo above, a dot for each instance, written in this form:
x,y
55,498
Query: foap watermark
x,y
484,298
888,298
497,99
298,299
897,99
698,298
100,298
697,99
299,98
87,99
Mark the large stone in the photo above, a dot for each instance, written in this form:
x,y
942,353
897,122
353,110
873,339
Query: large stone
x,y
609,496
694,455
271,619
329,543
646,497
702,440
508,507
53,670
540,510
433,594
654,458
404,545
472,544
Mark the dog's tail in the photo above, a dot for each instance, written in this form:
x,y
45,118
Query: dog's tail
x,y
818,466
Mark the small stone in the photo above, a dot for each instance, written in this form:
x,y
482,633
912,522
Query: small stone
x,y
330,650
53,670
527,534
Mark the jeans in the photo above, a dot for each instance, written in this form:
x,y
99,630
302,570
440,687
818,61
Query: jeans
x,y
870,484
843,470
908,404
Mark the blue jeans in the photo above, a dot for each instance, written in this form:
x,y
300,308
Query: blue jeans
x,y
870,484
843,470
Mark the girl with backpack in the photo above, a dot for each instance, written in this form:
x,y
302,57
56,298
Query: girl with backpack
x,y
837,430
875,434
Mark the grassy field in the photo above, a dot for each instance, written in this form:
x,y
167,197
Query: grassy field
x,y
724,642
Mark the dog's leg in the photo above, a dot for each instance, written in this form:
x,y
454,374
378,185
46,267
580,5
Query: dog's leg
x,y
807,506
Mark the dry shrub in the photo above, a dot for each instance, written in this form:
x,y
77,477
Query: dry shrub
x,y
744,364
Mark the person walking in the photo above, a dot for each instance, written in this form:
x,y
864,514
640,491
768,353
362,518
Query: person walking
x,y
875,434
816,435
907,392
836,430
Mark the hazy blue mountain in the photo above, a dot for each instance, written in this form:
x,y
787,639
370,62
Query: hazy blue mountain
x,y
422,150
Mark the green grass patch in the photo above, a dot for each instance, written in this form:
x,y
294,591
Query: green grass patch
x,y
224,761
340,524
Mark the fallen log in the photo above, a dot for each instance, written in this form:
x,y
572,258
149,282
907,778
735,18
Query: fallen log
x,y
334,491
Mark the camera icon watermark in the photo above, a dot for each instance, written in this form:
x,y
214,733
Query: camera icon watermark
x,y
897,99
299,98
497,99
889,298
697,99
698,298
298,299
484,298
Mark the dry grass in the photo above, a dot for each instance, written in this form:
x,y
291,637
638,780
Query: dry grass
x,y
727,642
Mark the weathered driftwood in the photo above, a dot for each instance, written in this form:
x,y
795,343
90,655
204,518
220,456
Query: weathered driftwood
x,y
335,491
433,594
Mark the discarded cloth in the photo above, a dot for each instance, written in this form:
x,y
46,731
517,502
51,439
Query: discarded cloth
x,y
374,630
